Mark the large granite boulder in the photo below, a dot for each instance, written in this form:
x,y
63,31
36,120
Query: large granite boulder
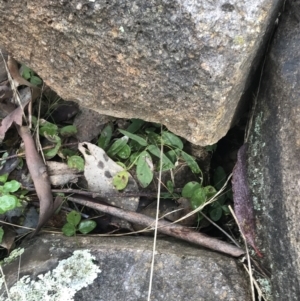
x,y
121,268
182,63
274,161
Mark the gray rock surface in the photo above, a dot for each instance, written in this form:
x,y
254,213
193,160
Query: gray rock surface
x,y
182,63
182,272
273,164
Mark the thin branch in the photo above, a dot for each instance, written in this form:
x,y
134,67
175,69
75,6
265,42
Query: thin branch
x,y
165,227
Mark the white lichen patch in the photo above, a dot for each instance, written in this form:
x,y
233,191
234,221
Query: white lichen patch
x,y
70,276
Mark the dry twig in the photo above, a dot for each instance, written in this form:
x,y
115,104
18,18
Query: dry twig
x,y
165,227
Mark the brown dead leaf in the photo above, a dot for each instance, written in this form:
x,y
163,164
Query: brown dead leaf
x,y
15,74
8,238
61,174
39,175
14,117
5,92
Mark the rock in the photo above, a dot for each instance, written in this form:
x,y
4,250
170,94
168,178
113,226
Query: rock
x,y
182,272
181,63
89,124
273,163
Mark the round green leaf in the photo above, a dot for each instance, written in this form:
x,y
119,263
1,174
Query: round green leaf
x,y
120,180
87,226
76,162
26,72
11,186
189,189
216,213
144,169
74,218
8,202
35,80
3,178
125,152
48,129
198,198
210,191
68,131
68,229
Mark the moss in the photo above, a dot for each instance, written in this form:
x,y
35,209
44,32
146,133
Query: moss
x,y
70,276
13,255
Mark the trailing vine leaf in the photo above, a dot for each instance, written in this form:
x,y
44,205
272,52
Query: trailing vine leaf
x,y
243,206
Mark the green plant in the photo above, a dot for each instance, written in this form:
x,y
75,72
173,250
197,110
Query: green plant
x,y
54,135
139,147
199,195
75,224
30,75
8,201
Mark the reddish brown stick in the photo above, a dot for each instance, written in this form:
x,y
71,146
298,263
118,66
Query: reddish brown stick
x,y
165,227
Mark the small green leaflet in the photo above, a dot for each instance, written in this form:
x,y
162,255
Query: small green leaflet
x,y
74,218
171,139
87,226
135,125
76,162
68,131
166,162
144,169
120,180
189,189
11,186
117,146
191,162
69,229
125,152
8,202
198,198
134,137
105,137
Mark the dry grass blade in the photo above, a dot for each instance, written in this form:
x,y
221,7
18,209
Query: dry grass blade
x,y
247,253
